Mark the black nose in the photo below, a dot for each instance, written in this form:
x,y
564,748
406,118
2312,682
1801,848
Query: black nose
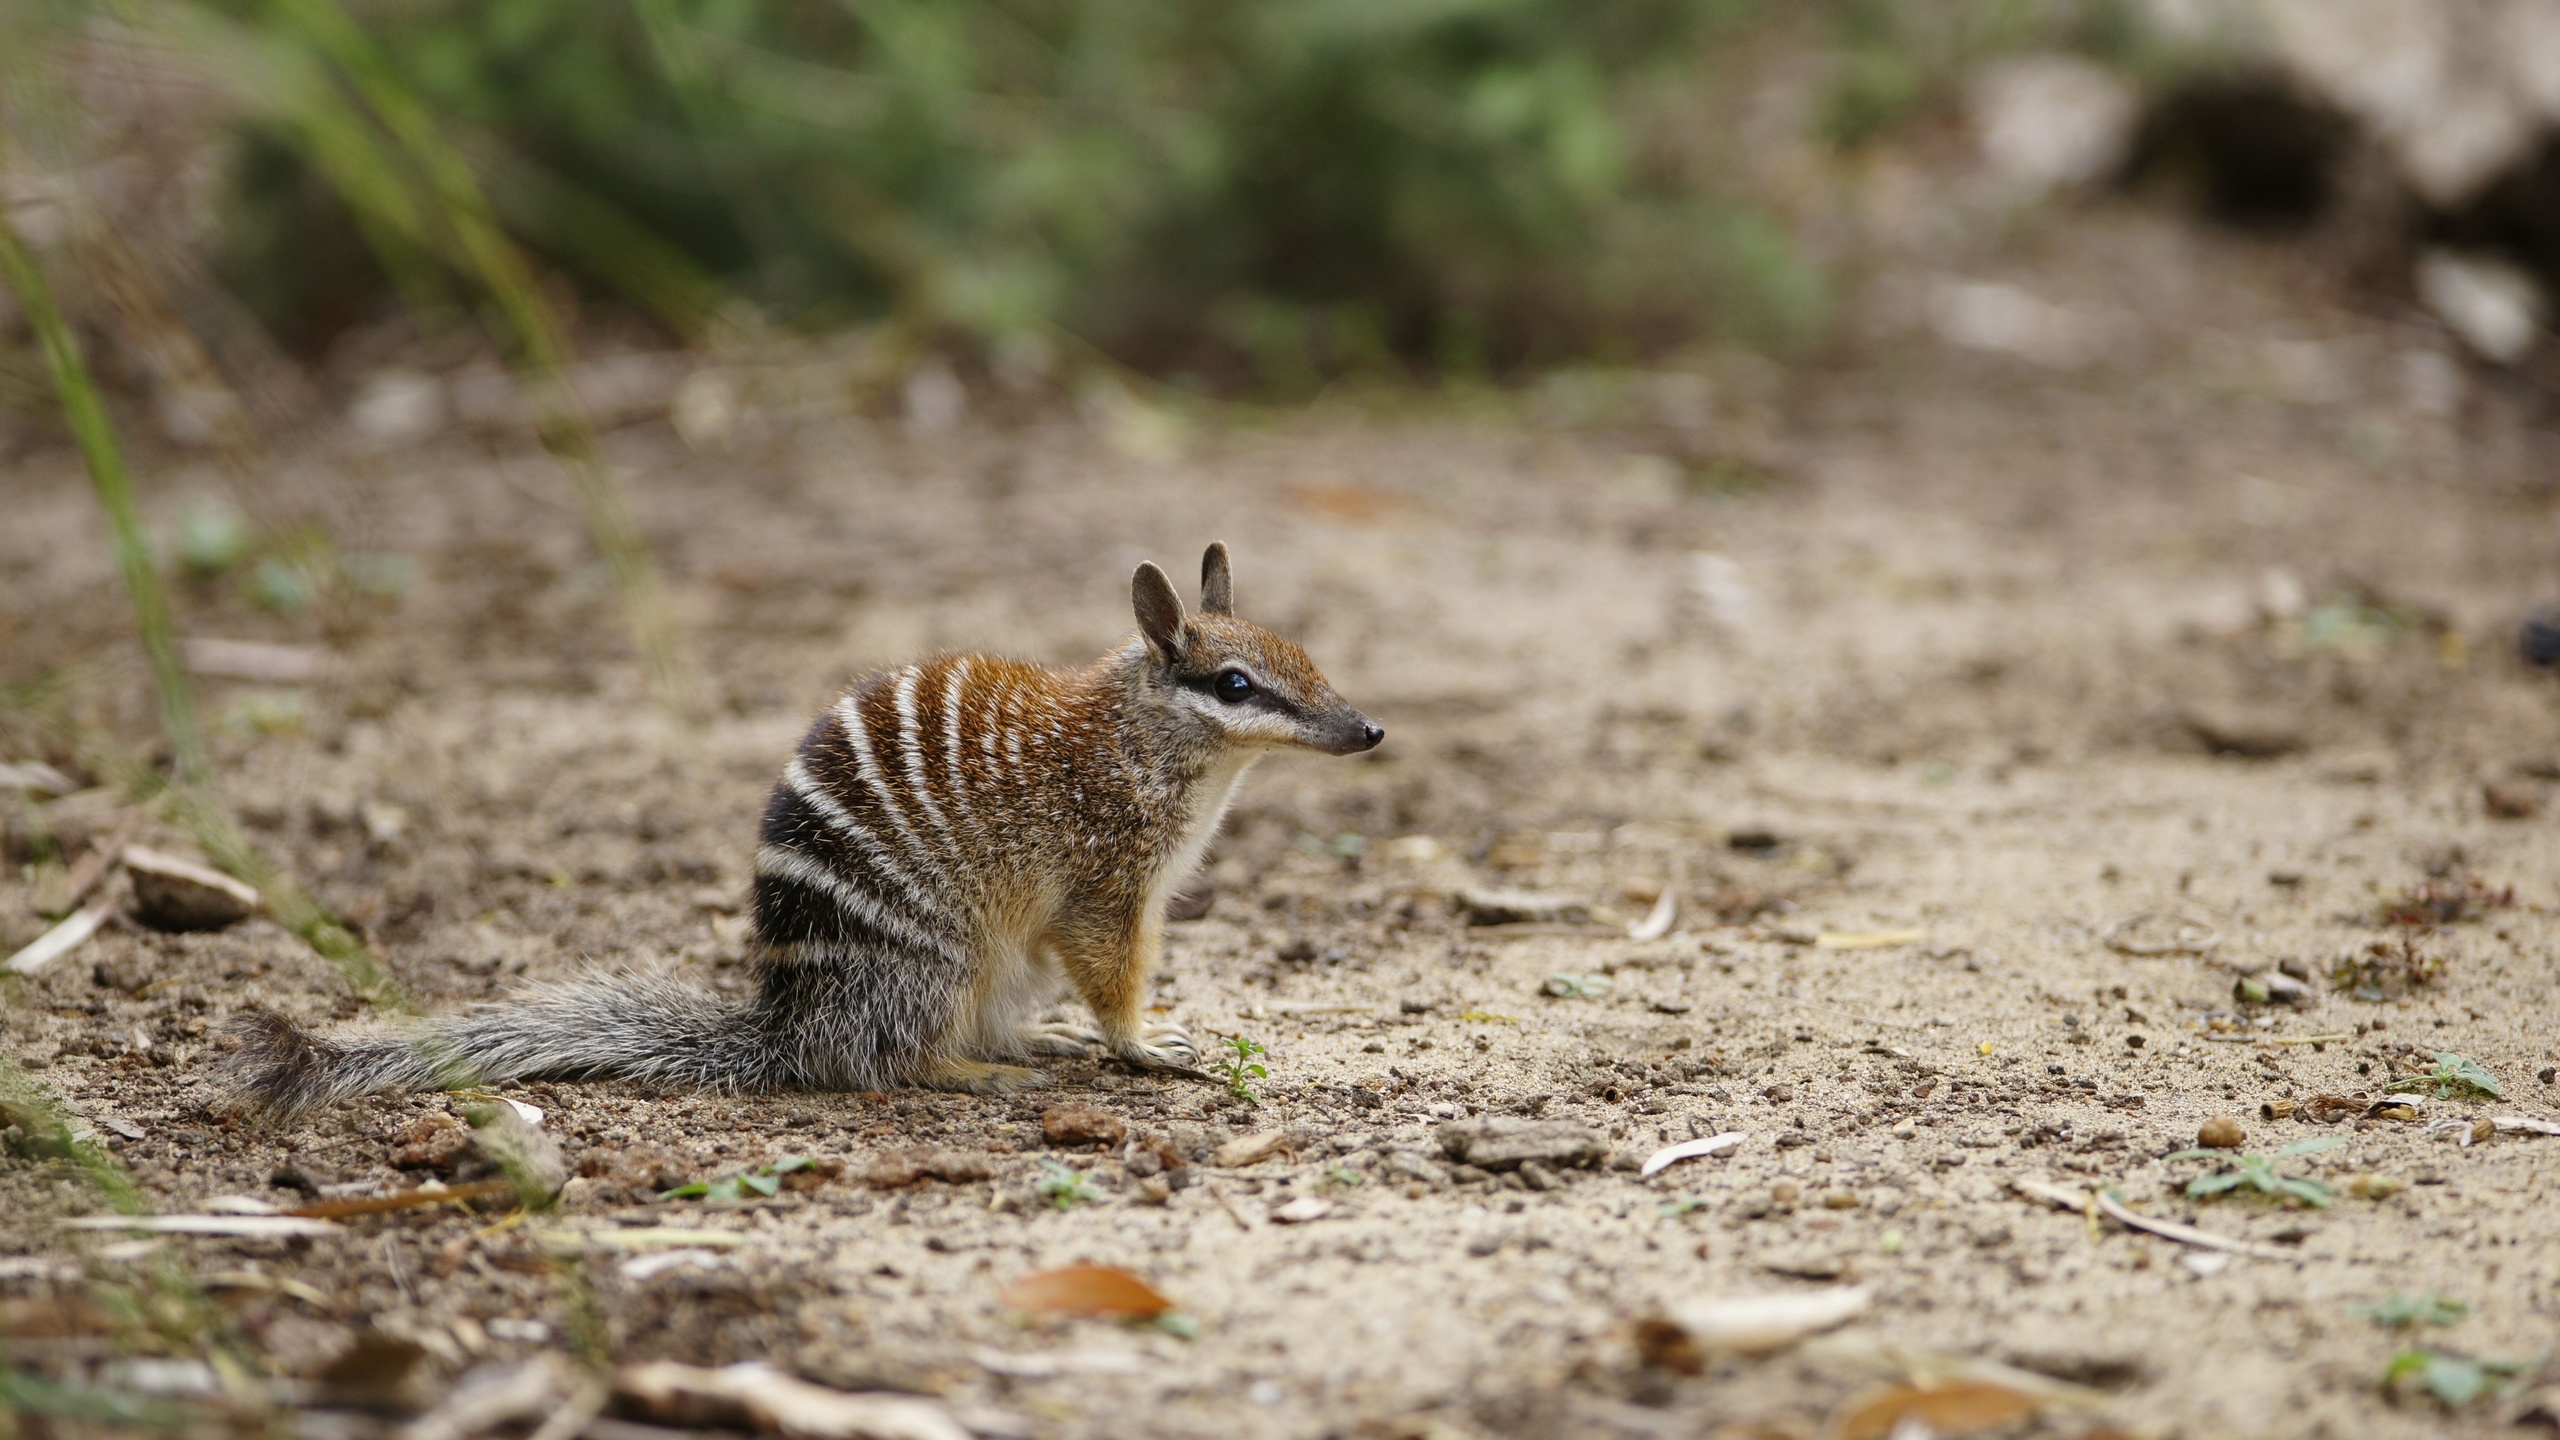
x,y
1370,735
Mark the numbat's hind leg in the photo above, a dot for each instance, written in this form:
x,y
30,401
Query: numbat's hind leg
x,y
978,1077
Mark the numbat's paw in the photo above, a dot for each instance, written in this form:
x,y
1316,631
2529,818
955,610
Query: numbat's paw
x,y
1141,1055
1061,1038
1173,1039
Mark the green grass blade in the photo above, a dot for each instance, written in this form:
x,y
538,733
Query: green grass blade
x,y
87,416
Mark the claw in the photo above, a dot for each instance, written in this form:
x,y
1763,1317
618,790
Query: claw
x,y
1060,1038
1139,1055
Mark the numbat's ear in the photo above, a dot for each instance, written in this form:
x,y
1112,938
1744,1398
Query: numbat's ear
x,y
1217,582
1160,615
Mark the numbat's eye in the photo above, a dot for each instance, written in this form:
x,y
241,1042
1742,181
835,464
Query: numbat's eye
x,y
1233,687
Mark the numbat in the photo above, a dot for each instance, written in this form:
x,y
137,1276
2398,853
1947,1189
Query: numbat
x,y
951,840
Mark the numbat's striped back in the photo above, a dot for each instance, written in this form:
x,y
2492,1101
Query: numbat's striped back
x,y
952,842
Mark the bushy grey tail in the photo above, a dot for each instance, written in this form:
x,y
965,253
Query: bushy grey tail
x,y
632,1027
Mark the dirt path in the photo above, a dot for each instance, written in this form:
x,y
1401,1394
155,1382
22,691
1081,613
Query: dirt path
x,y
1934,642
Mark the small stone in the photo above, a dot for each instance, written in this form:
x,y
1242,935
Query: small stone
x,y
1515,907
1302,1210
299,1175
1539,1177
2370,1187
1075,1123
2510,800
1780,1094
130,973
174,894
1155,1190
901,1168
2270,987
432,1142
1419,1169
646,1169
1786,1192
2222,1132
1250,1149
1840,1200
2246,735
1504,1142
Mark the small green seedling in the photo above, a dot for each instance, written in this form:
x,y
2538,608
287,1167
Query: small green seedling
x,y
1673,1209
2406,1312
1340,1174
1241,1068
2454,1379
2258,1172
1576,987
764,1180
2454,1075
1064,1188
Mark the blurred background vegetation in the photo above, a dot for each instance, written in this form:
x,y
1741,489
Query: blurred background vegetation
x,y
1243,197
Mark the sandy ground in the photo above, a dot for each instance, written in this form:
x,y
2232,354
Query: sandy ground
x,y
1927,643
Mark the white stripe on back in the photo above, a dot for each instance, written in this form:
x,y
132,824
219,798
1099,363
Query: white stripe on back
x,y
951,740
776,862
911,747
841,821
849,715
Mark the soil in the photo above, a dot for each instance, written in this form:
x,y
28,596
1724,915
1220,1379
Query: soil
x,y
1946,692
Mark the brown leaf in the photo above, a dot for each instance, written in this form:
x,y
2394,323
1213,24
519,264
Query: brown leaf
x,y
1086,1290
1959,1408
1662,1344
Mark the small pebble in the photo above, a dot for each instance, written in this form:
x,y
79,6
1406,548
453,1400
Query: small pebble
x,y
2221,1133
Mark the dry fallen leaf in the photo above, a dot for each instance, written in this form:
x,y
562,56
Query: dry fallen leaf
x,y
1755,1323
1657,922
1102,1290
766,1399
1303,1209
1955,1409
1663,1159
1868,939
249,1227
1250,1149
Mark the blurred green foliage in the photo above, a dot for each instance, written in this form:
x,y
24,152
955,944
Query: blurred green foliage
x,y
1260,193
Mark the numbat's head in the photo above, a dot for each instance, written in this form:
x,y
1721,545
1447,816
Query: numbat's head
x,y
1231,681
